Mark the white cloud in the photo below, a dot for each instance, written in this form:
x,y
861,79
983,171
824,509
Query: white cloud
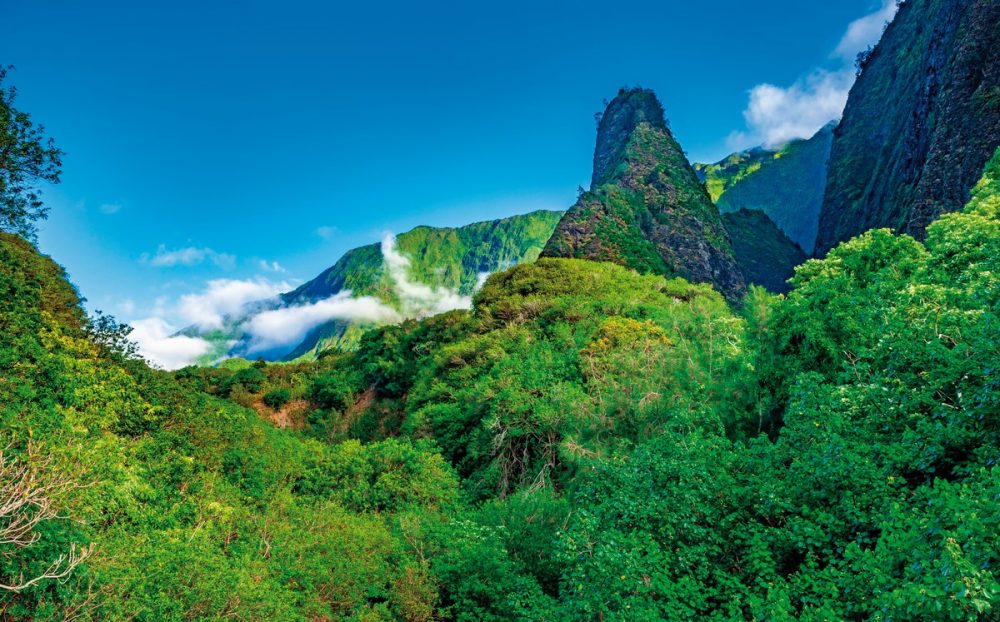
x,y
157,343
188,256
417,299
865,31
271,266
224,297
326,232
207,310
110,208
289,325
775,114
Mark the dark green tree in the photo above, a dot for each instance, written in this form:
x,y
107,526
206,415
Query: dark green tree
x,y
27,159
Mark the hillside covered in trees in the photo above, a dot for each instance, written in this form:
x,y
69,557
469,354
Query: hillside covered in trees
x,y
659,412
628,449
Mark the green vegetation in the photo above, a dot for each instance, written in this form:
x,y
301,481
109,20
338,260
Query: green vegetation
x,y
727,172
587,443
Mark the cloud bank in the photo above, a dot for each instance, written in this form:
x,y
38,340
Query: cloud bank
x,y
776,115
289,325
208,309
223,300
225,297
157,344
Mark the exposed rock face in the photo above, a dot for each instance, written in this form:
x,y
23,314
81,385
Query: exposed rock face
x,y
621,118
646,208
920,123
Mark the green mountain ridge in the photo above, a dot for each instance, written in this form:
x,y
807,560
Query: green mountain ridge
x,y
448,258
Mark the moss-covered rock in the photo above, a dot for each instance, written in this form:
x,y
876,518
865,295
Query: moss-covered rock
x,y
920,124
646,208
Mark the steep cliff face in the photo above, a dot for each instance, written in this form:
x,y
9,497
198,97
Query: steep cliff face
x,y
921,121
646,208
787,184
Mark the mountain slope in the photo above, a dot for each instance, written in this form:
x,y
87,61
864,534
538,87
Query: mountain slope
x,y
766,256
441,256
787,184
646,208
446,262
921,121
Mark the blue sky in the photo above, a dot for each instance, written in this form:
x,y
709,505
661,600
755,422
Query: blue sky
x,y
255,142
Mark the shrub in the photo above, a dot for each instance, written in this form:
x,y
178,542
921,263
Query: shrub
x,y
277,398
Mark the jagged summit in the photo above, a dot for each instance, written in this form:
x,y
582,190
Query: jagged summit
x,y
646,208
627,111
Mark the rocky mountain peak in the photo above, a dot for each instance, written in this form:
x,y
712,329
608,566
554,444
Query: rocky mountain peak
x,y
627,111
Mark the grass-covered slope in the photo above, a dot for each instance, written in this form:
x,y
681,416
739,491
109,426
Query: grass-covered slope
x,y
766,256
646,208
787,184
921,121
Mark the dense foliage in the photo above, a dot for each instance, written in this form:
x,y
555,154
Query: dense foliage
x,y
587,444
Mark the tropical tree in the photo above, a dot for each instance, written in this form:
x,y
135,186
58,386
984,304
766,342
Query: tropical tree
x,y
27,159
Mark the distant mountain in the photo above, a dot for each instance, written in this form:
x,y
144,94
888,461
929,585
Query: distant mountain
x,y
434,268
787,184
766,256
646,208
920,123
